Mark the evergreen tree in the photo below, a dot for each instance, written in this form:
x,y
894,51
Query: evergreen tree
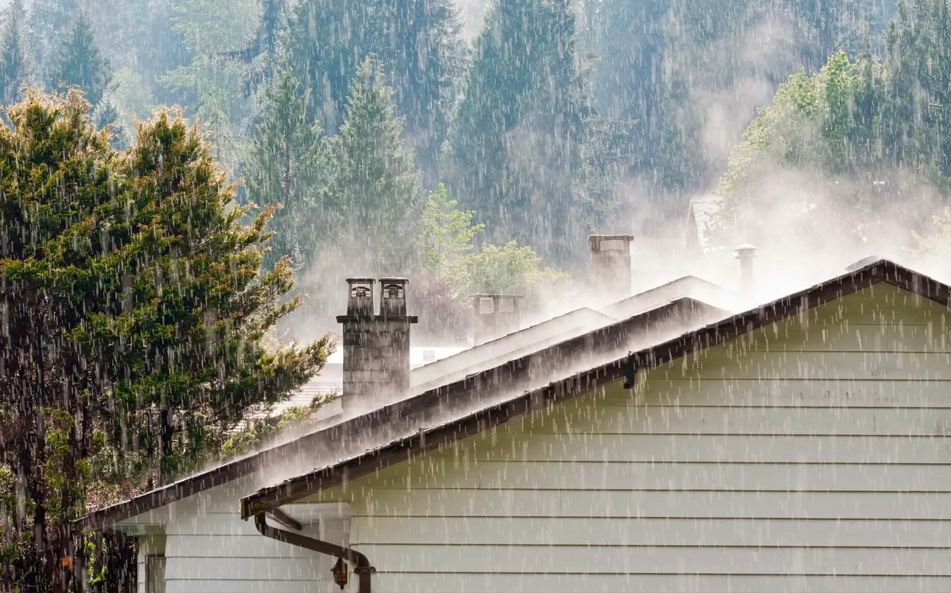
x,y
418,43
285,170
14,61
373,195
50,22
134,313
515,148
81,64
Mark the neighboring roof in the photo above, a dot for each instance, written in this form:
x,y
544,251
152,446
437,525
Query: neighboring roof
x,y
495,413
688,286
701,220
513,345
466,392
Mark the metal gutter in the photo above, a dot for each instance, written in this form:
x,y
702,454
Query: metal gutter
x,y
363,569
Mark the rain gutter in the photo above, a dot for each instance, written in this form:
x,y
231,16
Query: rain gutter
x,y
363,568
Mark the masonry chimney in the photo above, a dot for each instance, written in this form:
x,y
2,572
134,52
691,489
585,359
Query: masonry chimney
x,y
746,254
611,266
494,315
375,347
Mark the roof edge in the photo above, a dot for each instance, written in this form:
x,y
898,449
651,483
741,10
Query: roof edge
x,y
880,271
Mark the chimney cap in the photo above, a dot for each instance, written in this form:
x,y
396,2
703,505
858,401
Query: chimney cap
x,y
596,240
361,280
745,250
394,280
496,295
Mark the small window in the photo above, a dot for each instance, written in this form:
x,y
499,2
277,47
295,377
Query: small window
x,y
486,306
155,574
360,292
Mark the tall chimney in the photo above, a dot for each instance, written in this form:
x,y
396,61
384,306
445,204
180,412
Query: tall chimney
x,y
375,347
494,315
611,266
746,254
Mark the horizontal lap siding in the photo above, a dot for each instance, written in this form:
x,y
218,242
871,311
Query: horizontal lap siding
x,y
813,454
209,549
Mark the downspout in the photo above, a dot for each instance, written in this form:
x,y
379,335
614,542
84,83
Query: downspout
x,y
363,569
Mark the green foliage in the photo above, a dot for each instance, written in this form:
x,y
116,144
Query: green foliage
x,y
869,119
510,269
373,194
259,430
80,64
135,314
286,171
515,146
445,238
417,43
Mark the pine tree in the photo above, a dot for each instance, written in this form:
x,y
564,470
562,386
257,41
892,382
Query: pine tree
x,y
285,170
80,64
515,146
50,23
417,42
14,61
373,194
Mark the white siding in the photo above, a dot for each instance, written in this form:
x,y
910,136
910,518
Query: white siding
x,y
813,454
209,549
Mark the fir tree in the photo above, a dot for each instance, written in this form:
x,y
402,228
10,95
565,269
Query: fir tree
x,y
14,61
80,64
50,23
285,170
417,42
373,194
515,146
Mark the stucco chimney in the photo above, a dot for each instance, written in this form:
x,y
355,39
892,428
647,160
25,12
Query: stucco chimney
x,y
375,347
746,254
611,266
494,315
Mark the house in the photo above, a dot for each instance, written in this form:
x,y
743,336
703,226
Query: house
x,y
804,444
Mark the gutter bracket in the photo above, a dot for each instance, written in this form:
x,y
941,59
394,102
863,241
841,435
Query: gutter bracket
x,y
363,569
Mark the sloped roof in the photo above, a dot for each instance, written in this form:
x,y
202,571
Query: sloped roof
x,y
513,345
688,286
472,421
521,373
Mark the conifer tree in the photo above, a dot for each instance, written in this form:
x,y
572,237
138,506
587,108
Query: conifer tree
x,y
80,63
285,170
134,312
515,145
50,22
14,61
417,42
373,193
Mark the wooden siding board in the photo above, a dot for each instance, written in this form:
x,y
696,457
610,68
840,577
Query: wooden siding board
x,y
562,531
670,476
639,583
461,504
647,560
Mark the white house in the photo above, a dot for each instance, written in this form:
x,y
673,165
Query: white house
x,y
804,445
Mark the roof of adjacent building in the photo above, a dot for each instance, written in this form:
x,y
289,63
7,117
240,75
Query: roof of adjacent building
x,y
470,420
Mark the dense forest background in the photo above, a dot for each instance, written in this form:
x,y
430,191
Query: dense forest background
x,y
533,121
